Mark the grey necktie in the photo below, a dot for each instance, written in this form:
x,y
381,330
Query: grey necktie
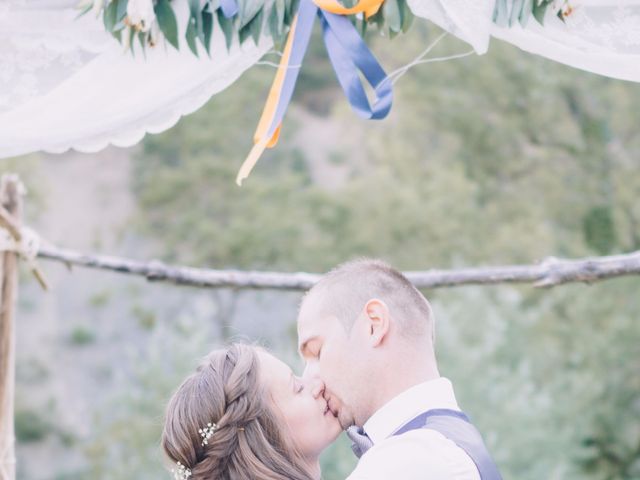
x,y
361,441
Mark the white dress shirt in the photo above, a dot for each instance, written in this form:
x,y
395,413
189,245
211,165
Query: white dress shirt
x,y
421,454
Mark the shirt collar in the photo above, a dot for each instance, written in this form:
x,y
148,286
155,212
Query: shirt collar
x,y
437,393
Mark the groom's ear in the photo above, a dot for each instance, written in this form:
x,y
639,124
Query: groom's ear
x,y
378,321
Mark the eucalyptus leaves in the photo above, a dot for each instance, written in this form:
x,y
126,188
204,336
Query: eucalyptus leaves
x,y
147,21
510,12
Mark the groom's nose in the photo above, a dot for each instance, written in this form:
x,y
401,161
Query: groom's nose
x,y
317,387
310,371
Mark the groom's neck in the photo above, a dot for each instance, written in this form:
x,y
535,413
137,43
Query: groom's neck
x,y
402,374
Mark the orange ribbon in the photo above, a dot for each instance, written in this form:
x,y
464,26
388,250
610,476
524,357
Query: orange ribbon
x,y
261,140
368,7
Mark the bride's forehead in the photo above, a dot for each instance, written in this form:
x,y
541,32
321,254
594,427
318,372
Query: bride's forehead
x,y
273,366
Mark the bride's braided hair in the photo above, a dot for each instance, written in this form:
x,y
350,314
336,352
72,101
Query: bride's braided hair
x,y
248,442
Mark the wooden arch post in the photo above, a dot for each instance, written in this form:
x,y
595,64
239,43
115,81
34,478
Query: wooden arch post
x,y
11,201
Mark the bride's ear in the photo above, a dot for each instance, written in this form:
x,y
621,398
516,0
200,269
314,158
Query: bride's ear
x,y
378,321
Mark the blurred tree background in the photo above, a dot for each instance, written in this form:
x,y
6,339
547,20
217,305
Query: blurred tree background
x,y
499,159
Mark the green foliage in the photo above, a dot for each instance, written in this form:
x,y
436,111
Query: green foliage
x,y
598,227
510,12
81,335
100,299
32,370
146,318
393,17
167,21
31,426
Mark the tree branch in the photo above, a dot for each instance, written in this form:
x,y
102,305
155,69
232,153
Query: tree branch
x,y
548,273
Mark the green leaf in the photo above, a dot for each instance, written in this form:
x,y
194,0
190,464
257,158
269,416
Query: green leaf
x,y
190,35
142,38
84,10
110,16
378,19
539,10
256,26
196,19
167,22
247,11
407,16
207,27
244,33
525,13
118,26
132,38
516,9
280,7
392,15
117,35
290,12
501,13
274,25
226,24
122,9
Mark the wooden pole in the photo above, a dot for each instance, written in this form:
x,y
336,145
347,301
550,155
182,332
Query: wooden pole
x,y
11,199
548,273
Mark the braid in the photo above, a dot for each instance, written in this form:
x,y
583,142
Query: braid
x,y
247,442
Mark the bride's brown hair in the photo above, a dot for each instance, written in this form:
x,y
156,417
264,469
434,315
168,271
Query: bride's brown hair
x,y
249,441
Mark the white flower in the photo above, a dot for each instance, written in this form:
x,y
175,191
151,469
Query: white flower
x,y
140,14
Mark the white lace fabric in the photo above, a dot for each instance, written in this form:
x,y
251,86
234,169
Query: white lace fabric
x,y
599,36
66,83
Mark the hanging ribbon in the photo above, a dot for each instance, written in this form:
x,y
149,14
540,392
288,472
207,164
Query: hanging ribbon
x,y
349,55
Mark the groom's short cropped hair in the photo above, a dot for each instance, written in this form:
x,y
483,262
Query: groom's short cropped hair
x,y
344,291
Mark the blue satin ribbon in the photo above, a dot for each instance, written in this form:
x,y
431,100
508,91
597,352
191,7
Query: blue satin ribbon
x,y
229,8
348,54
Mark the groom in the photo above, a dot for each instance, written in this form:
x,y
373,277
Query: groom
x,y
368,334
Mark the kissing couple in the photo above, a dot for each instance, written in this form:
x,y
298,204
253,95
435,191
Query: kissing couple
x,y
366,335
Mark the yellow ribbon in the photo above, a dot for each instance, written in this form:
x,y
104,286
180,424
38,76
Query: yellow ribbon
x,y
260,139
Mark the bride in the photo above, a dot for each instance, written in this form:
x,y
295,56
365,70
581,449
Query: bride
x,y
244,415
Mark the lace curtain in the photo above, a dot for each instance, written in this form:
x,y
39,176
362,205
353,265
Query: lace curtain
x,y
65,83
599,36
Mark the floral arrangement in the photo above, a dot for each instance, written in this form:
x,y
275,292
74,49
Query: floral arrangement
x,y
509,12
147,21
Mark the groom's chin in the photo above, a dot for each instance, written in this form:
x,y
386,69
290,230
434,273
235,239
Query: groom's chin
x,y
344,422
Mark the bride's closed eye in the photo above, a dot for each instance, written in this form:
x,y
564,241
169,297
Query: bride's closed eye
x,y
298,386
